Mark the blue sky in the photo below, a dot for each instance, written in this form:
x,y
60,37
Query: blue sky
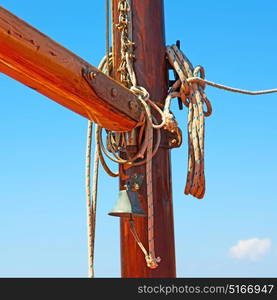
x,y
42,153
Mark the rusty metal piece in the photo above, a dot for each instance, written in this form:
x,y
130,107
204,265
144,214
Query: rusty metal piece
x,y
171,139
131,138
113,92
135,181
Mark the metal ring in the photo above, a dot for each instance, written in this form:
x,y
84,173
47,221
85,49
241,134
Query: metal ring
x,y
209,110
199,70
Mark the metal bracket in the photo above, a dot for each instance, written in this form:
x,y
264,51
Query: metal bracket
x,y
171,139
134,182
113,92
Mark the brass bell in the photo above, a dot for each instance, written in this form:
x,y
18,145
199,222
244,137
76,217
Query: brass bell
x,y
127,205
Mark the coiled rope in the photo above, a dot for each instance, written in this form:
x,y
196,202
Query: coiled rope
x,y
192,84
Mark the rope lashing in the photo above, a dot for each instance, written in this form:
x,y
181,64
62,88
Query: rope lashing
x,y
147,146
192,84
145,149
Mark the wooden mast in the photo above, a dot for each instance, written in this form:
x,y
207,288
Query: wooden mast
x,y
150,67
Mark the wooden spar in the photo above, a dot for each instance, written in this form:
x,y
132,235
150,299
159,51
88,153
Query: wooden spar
x,y
35,60
150,68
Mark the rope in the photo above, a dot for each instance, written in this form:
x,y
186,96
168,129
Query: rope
x,y
91,200
151,259
128,77
136,237
108,29
228,88
132,161
192,83
194,93
102,160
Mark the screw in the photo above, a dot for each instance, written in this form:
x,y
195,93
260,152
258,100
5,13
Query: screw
x,y
136,187
92,75
173,141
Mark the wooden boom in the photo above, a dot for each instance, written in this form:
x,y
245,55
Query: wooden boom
x,y
37,61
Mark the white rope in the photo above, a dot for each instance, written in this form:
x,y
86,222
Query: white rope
x,y
91,200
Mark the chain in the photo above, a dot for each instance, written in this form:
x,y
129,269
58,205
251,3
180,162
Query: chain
x,y
126,44
128,78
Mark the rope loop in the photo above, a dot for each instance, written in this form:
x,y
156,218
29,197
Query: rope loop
x,y
209,110
140,91
199,70
185,92
151,262
194,98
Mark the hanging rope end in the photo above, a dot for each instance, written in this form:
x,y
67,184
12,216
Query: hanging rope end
x,y
151,262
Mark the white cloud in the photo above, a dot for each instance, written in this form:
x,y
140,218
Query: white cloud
x,y
251,249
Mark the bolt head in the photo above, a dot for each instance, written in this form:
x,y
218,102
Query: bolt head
x,y
114,92
133,105
92,75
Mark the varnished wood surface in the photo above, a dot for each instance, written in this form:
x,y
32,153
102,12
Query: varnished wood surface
x,y
37,61
150,67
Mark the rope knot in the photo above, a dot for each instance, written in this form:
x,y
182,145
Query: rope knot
x,y
185,87
151,262
140,91
199,72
